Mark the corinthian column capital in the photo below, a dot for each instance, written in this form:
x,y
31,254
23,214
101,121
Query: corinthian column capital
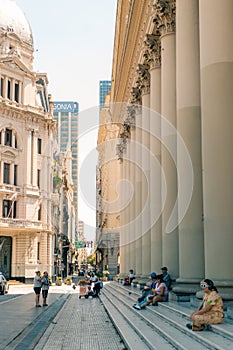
x,y
165,17
153,52
144,74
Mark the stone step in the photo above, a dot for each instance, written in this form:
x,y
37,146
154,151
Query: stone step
x,y
14,282
173,318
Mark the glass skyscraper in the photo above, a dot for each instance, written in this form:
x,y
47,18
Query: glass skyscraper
x,y
66,115
104,88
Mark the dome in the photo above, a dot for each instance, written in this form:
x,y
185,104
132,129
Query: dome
x,y
13,20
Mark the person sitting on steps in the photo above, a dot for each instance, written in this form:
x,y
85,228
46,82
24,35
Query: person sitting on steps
x,y
160,294
211,310
129,278
148,290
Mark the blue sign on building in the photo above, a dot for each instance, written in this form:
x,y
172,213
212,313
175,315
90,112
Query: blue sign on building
x,y
66,107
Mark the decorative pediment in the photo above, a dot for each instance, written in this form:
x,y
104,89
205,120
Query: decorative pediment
x,y
14,63
8,154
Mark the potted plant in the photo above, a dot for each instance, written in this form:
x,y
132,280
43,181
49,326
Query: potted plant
x,y
68,281
105,274
58,281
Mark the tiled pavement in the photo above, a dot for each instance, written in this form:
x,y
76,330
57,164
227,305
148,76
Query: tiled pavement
x,y
68,323
81,324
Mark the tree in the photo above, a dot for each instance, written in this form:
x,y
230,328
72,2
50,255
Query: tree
x,y
91,259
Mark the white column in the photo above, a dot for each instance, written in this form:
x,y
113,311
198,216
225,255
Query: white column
x,y
146,232
28,157
20,92
5,87
138,195
155,148
216,63
1,172
170,253
13,89
191,243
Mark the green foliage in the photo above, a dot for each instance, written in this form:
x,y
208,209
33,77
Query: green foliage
x,y
91,259
57,181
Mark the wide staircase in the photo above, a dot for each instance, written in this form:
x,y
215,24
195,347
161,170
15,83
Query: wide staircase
x,y
160,327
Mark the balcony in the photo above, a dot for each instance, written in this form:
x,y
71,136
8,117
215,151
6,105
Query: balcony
x,y
21,224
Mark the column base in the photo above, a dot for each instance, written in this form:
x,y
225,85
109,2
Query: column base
x,y
184,288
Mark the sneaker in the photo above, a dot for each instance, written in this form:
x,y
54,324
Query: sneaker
x,y
38,305
198,328
189,325
137,307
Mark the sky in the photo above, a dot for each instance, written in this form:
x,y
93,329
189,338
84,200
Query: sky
x,y
73,42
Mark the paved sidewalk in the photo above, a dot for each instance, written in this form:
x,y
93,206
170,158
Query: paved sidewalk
x,y
81,324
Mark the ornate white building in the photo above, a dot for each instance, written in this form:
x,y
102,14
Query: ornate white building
x,y
26,141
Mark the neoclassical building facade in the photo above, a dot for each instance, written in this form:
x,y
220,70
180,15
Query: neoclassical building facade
x,y
27,133
107,212
172,83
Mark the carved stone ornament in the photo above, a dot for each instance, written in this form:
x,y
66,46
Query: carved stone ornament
x,y
153,53
165,18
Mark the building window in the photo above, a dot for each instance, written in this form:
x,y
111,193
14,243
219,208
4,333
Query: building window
x,y
8,137
38,178
8,209
16,92
2,86
39,143
15,174
9,89
6,175
38,251
39,213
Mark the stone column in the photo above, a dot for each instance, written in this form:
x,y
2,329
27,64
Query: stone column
x,y
132,244
145,157
13,90
216,63
12,165
34,159
20,91
122,214
166,24
2,171
154,52
28,156
5,87
191,243
138,189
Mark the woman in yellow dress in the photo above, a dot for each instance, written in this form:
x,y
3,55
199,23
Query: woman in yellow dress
x,y
211,310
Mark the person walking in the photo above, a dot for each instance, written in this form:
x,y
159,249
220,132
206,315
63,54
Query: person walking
x,y
211,309
45,287
37,287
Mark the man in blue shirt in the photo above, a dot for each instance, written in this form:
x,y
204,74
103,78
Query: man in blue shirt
x,y
148,290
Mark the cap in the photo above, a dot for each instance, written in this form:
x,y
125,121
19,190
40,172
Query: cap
x,y
164,268
153,275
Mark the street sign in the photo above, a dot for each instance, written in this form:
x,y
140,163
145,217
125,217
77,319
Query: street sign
x,y
80,244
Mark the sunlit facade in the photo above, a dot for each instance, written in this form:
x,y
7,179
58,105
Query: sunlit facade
x,y
173,69
27,133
